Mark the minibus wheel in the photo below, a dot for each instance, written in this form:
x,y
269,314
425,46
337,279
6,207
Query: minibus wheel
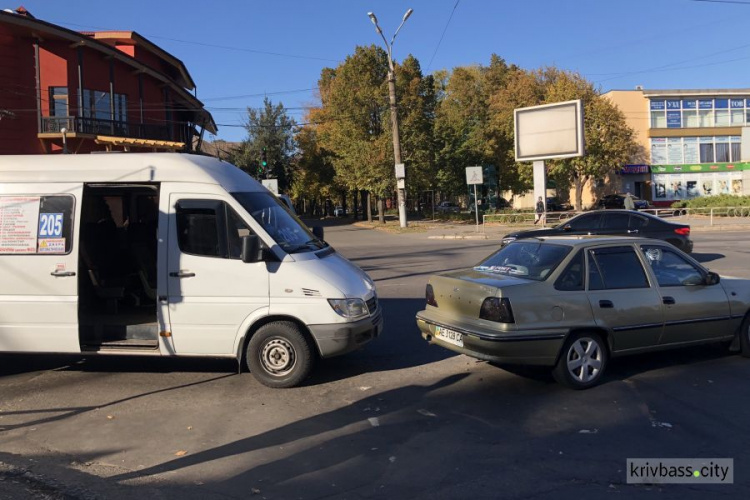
x,y
279,355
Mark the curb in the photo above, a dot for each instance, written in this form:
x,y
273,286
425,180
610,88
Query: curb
x,y
459,237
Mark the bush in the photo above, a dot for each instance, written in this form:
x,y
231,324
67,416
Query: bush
x,y
723,200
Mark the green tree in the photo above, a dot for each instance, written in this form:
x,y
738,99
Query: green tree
x,y
417,100
314,174
463,129
270,135
352,121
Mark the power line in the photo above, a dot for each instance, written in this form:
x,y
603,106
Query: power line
x,y
724,1
442,35
202,44
244,96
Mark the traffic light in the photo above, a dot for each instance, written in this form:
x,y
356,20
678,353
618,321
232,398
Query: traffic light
x,y
264,161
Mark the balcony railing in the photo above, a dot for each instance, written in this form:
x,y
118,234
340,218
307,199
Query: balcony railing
x,y
95,126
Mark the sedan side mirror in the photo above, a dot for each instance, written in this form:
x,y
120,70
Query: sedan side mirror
x,y
251,251
317,231
712,279
567,227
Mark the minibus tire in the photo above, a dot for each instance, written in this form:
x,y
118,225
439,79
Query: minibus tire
x,y
279,355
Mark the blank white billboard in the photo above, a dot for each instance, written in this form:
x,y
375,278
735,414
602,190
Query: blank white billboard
x,y
549,131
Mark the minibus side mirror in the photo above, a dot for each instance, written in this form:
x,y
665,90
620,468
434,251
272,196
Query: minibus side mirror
x,y
317,231
251,251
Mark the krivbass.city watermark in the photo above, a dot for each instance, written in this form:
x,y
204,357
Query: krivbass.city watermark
x,y
680,470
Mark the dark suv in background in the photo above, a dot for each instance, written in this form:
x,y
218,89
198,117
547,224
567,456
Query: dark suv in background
x,y
615,223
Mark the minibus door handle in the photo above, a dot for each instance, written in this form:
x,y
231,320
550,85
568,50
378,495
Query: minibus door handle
x,y
62,274
182,274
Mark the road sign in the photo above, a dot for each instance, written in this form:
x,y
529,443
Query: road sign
x,y
474,175
400,171
272,185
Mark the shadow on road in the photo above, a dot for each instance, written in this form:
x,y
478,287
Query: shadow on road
x,y
707,257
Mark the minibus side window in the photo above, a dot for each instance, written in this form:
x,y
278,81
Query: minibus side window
x,y
209,228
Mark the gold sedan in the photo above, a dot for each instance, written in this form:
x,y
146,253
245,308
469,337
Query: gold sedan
x,y
570,303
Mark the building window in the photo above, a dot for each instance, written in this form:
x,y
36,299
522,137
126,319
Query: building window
x,y
96,105
658,119
58,101
689,118
705,118
722,117
722,151
707,153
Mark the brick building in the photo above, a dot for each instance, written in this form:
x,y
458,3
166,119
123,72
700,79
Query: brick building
x,y
92,91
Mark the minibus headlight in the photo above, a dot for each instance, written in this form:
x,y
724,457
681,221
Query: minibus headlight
x,y
349,308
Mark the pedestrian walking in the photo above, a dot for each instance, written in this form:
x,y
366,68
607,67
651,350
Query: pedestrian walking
x,y
629,204
539,211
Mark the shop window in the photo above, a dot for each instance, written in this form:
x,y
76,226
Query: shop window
x,y
707,153
736,151
689,118
722,152
738,117
705,118
658,119
722,117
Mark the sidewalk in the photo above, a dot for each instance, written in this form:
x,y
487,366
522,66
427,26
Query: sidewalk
x,y
493,231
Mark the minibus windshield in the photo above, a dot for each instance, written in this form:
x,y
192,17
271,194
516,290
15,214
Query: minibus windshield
x,y
283,226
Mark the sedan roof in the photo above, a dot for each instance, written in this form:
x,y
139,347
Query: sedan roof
x,y
588,240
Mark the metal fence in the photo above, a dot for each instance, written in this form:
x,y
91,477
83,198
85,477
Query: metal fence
x,y
713,215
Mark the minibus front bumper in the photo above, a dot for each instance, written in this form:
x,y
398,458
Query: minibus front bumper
x,y
340,338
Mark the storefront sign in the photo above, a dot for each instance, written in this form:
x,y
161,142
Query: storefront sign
x,y
674,119
635,169
702,167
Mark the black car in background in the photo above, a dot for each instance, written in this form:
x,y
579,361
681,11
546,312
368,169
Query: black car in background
x,y
618,201
615,223
555,205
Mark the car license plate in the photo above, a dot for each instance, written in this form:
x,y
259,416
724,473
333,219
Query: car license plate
x,y
449,336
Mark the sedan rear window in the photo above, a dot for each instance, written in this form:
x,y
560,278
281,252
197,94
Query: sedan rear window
x,y
534,260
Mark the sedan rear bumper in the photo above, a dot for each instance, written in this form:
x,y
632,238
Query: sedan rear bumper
x,y
517,347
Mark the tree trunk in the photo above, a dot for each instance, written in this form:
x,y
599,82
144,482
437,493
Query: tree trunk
x,y
381,210
355,207
369,206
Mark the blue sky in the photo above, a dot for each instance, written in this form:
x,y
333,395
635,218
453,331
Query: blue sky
x,y
278,48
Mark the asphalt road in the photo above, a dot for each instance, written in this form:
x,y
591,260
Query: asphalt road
x,y
398,419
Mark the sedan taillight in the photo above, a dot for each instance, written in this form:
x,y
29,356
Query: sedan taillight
x,y
496,309
683,231
430,296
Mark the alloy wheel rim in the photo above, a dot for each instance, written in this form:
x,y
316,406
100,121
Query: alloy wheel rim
x,y
584,360
278,357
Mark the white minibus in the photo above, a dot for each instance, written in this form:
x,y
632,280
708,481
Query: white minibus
x,y
173,255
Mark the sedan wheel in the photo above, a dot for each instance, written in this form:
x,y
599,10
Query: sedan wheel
x,y
582,361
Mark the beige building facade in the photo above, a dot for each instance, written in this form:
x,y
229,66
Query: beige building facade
x,y
690,143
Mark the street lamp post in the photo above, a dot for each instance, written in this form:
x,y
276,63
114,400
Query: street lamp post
x,y
401,187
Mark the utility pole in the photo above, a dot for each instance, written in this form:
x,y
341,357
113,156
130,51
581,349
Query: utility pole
x,y
400,174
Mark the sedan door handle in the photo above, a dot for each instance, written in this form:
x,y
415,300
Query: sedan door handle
x,y
182,274
632,231
606,304
668,300
61,274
